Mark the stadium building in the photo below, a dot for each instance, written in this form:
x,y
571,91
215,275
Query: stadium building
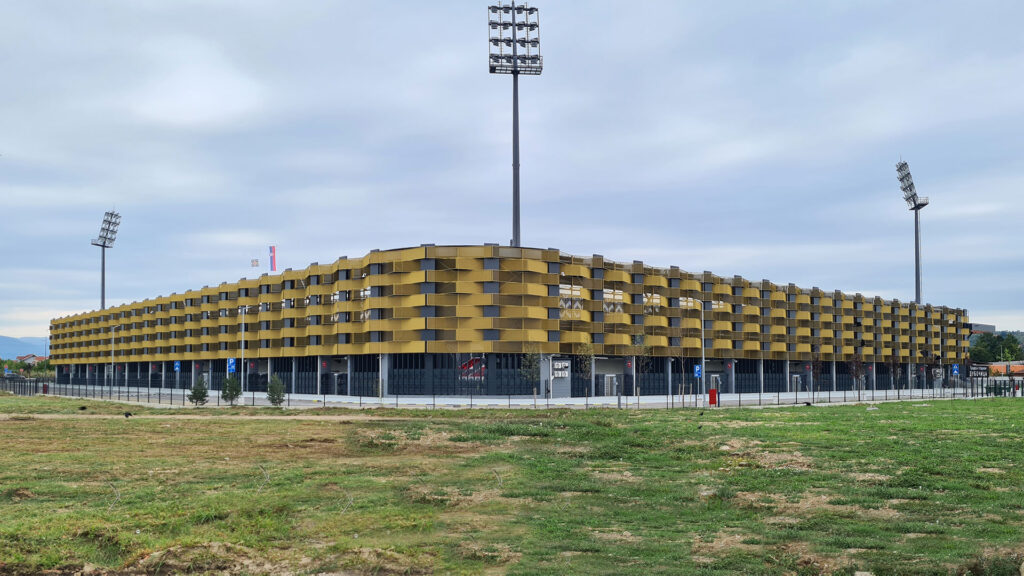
x,y
496,320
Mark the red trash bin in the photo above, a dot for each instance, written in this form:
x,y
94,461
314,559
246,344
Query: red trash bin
x,y
713,397
46,388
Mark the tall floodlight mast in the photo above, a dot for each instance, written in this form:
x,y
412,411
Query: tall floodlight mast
x,y
513,28
915,203
108,233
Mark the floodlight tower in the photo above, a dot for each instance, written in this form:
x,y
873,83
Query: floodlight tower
x,y
108,233
915,203
511,28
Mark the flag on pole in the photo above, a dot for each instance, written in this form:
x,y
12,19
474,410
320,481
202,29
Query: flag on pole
x,y
273,258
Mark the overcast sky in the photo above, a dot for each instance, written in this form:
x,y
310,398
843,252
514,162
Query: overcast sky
x,y
753,138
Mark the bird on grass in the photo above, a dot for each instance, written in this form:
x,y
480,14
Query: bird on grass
x,y
807,403
127,414
81,407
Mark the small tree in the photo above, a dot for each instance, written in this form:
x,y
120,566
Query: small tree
x,y
529,367
584,359
199,393
856,365
275,391
231,390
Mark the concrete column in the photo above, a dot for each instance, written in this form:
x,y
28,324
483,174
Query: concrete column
x,y
593,377
910,373
192,364
668,375
348,374
833,375
731,367
760,375
385,367
295,372
785,372
319,374
163,371
874,377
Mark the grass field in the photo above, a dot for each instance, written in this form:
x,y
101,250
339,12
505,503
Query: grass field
x,y
907,488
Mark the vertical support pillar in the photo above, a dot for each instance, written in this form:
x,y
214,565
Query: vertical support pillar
x,y
295,373
192,363
348,375
731,366
385,369
760,376
668,376
319,374
833,375
874,377
593,377
785,371
910,373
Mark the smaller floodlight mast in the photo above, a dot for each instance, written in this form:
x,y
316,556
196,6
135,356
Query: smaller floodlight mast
x,y
514,48
915,203
108,233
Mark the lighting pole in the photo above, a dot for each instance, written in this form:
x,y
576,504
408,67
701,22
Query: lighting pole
x,y
108,233
501,18
703,368
244,383
915,203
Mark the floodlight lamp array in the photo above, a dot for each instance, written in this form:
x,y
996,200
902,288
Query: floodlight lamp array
x,y
914,202
108,230
514,39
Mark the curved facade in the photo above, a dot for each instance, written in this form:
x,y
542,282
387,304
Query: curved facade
x,y
447,319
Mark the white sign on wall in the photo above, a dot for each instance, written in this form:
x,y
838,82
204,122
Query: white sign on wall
x,y
560,369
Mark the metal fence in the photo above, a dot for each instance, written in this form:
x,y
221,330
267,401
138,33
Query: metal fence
x,y
686,393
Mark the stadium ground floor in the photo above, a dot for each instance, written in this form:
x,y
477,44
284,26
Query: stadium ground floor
x,y
546,376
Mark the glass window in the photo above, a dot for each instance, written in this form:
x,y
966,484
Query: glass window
x,y
638,278
491,335
554,336
491,264
553,290
491,287
673,302
675,322
554,267
428,335
491,311
428,264
597,317
597,337
637,298
428,311
597,295
315,340
554,313
376,269
673,282
637,319
288,323
428,288
597,273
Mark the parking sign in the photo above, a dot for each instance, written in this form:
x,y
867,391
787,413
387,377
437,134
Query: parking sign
x,y
231,365
696,370
177,365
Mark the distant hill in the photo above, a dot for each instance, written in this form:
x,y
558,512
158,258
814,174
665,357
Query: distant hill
x,y
11,348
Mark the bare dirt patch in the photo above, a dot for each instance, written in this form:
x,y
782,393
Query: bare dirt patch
x,y
210,558
620,536
819,563
723,543
869,476
991,471
382,562
808,505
